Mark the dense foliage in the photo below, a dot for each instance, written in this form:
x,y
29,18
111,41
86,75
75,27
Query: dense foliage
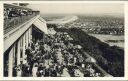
x,y
110,58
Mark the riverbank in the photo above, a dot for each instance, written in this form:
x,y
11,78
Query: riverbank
x,y
110,58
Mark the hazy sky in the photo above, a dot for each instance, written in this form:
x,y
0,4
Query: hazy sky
x,y
79,8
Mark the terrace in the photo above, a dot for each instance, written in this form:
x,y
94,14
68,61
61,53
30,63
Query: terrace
x,y
16,15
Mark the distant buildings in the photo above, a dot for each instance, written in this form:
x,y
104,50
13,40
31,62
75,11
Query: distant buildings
x,y
64,20
95,26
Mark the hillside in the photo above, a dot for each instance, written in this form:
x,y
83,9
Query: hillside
x,y
110,58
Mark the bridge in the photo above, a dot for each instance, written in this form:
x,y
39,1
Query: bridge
x,y
19,24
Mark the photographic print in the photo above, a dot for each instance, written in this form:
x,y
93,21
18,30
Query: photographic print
x,y
63,40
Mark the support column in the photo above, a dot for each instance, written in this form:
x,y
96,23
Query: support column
x,y
14,54
10,64
24,56
14,59
18,59
30,34
21,49
26,38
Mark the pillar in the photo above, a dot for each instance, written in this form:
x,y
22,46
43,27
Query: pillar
x,y
14,58
30,35
14,53
18,58
10,63
26,38
21,49
24,44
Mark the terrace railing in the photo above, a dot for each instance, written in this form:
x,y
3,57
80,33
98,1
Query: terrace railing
x,y
12,22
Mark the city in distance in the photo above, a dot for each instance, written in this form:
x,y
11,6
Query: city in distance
x,y
100,36
72,41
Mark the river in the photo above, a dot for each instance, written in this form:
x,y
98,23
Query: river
x,y
112,40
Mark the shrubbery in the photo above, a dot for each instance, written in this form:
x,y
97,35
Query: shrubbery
x,y
110,58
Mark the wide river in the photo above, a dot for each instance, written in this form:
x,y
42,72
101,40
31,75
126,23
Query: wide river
x,y
105,38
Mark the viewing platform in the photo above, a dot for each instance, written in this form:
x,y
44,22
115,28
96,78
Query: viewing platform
x,y
14,16
19,24
35,48
17,20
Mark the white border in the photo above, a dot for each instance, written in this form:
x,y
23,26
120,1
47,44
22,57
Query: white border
x,y
63,78
1,40
126,40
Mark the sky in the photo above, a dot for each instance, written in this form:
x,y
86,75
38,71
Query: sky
x,y
79,8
